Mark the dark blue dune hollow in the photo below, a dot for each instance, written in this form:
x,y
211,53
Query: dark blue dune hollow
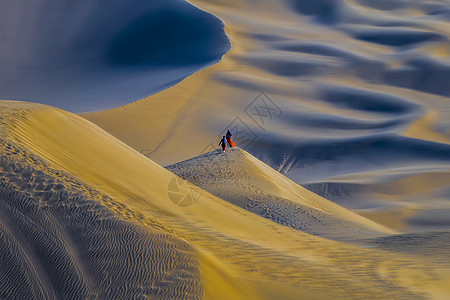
x,y
99,54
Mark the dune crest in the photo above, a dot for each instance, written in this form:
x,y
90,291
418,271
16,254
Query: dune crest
x,y
62,238
362,94
245,181
90,57
96,201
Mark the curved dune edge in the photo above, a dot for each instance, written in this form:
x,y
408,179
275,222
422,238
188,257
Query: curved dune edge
x,y
85,58
162,114
245,181
238,253
318,71
165,115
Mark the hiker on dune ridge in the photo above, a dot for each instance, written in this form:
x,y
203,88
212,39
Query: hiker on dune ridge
x,y
223,143
229,140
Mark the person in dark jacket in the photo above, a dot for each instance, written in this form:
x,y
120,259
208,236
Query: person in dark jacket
x,y
223,143
229,140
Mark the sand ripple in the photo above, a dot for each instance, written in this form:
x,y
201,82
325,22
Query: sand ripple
x,y
62,240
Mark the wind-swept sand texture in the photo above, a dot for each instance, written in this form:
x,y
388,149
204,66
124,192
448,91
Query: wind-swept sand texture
x,y
62,238
84,215
348,98
245,181
355,105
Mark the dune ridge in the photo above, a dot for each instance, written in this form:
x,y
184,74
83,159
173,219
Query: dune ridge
x,y
63,239
87,58
347,98
247,182
361,91
220,249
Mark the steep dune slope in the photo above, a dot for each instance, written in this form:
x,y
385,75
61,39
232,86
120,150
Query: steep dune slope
x,y
63,239
100,55
96,217
245,181
354,92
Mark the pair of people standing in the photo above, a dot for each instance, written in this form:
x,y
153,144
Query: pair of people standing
x,y
226,139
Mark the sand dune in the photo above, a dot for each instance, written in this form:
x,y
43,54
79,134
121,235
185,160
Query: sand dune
x,y
238,177
101,55
355,97
81,224
63,239
348,98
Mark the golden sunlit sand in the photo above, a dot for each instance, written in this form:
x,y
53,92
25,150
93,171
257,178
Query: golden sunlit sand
x,y
338,187
320,74
103,215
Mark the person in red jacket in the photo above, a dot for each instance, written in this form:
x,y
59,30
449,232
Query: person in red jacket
x,y
223,143
229,140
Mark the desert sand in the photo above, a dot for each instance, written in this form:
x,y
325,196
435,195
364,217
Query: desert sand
x,y
347,98
99,55
84,215
338,187
243,180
